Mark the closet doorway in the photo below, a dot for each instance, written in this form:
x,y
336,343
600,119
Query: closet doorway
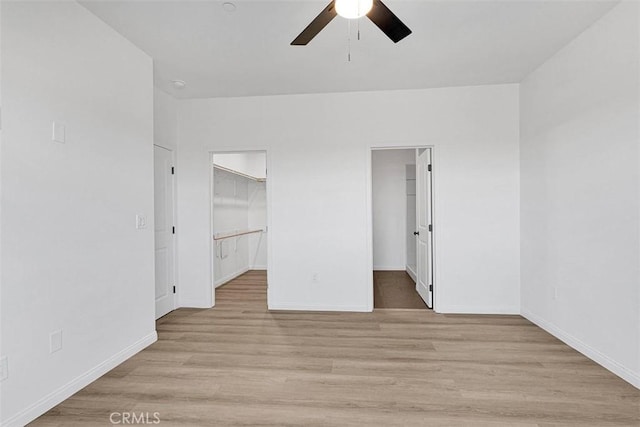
x,y
402,228
239,228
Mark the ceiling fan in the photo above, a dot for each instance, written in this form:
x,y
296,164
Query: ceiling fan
x,y
375,10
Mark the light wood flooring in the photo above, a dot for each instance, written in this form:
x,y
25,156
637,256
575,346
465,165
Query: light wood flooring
x,y
238,364
395,289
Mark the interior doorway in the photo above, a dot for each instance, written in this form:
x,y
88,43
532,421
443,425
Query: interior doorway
x,y
239,227
402,228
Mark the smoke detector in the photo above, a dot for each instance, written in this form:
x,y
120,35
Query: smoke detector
x,y
178,84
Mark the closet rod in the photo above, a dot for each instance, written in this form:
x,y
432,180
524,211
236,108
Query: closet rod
x,y
242,233
235,172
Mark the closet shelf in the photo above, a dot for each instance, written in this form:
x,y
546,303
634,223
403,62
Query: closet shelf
x,y
235,172
221,236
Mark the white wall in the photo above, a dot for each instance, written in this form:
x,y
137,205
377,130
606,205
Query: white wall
x,y
318,160
165,120
580,193
71,256
389,200
1,275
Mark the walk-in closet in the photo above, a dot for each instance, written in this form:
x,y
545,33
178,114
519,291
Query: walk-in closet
x,y
239,214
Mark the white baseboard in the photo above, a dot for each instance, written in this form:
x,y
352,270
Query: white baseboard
x,y
52,399
463,309
193,303
306,307
623,372
412,274
229,277
388,268
258,267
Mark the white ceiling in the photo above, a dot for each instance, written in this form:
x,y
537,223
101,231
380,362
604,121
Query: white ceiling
x,y
454,43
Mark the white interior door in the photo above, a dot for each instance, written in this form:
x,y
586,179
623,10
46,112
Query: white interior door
x,y
424,284
164,255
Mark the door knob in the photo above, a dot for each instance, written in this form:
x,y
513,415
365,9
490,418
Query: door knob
x,y
416,233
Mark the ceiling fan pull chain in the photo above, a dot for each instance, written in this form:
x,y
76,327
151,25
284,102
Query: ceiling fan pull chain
x,y
349,41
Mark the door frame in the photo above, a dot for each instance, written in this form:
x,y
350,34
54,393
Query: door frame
x,y
369,272
212,248
174,207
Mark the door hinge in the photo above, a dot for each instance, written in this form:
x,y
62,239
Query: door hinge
x,y
173,230
429,168
174,289
430,227
430,288
173,170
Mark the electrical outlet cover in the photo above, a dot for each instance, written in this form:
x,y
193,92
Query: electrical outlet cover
x,y
55,341
59,133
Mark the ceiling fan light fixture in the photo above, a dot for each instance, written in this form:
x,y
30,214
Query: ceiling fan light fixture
x,y
353,9
375,10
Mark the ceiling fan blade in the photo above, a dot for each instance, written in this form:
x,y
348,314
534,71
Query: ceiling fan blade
x,y
316,25
389,23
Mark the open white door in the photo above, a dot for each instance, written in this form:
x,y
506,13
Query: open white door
x,y
164,255
424,284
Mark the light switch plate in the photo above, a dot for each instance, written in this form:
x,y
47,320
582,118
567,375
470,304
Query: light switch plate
x,y
141,222
58,133
55,341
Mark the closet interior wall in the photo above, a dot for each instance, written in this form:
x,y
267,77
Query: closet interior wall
x,y
239,206
390,208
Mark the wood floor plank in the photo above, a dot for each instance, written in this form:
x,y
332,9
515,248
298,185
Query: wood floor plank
x,y
239,364
395,289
